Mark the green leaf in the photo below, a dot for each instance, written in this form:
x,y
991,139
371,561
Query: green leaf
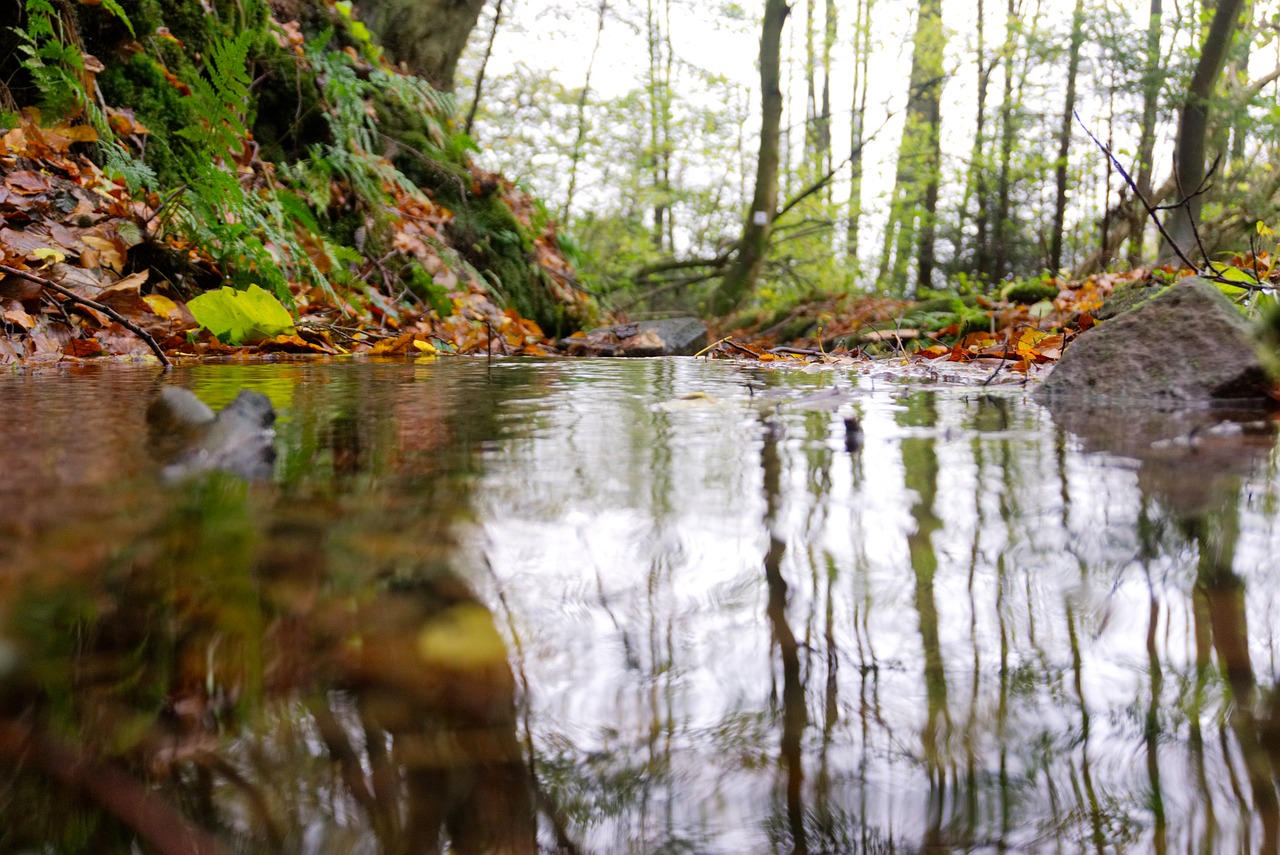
x,y
236,317
1233,274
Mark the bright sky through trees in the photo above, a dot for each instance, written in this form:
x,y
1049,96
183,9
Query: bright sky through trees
x,y
555,36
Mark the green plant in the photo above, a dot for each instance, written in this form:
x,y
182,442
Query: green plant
x,y
236,317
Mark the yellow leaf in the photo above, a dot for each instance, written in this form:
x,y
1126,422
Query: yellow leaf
x,y
424,346
160,304
45,253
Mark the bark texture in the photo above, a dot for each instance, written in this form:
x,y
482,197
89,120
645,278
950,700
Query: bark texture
x,y
1193,128
428,36
749,262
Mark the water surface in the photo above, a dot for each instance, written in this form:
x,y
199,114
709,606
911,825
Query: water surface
x,y
549,605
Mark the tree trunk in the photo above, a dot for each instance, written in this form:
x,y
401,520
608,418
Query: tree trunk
x,y
580,135
1193,127
428,36
1000,236
1152,75
1064,141
824,127
919,157
484,64
861,54
978,161
752,246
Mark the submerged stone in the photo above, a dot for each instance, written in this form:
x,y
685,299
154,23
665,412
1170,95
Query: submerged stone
x,y
190,439
1186,346
664,337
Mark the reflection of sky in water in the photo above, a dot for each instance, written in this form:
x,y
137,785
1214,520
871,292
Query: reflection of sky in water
x,y
628,543
1005,631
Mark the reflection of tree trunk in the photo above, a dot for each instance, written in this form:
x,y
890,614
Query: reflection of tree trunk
x,y
920,462
1086,773
1223,594
794,716
1151,729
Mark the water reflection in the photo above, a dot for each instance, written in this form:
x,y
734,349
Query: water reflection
x,y
556,606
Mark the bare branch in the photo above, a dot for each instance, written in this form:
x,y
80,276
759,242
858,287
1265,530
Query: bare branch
x,y
96,306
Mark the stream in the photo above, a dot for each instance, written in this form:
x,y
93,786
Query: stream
x,y
635,606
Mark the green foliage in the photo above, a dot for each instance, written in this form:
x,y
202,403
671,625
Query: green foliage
x,y
1028,292
221,102
236,317
52,60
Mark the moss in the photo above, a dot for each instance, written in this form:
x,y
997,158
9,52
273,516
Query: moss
x,y
1029,293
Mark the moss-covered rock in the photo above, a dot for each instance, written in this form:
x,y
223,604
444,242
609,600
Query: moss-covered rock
x,y
1028,293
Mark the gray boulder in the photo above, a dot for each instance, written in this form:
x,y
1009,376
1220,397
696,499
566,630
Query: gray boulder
x,y
665,337
1185,346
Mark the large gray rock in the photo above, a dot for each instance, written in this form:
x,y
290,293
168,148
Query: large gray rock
x,y
1185,346
666,337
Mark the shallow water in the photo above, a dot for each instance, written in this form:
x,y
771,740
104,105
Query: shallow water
x,y
559,606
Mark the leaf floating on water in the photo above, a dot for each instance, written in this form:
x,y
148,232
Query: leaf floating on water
x,y
689,401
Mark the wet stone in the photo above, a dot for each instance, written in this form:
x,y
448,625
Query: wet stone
x,y
1185,346
665,337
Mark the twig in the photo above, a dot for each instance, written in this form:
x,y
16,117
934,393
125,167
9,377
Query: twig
x,y
1137,194
92,304
713,344
1206,273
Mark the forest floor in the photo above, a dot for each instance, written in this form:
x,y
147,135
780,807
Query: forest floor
x,y
73,290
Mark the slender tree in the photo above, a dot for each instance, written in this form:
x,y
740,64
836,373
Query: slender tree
x,y
861,63
979,162
1189,152
749,260
580,135
1152,74
914,204
1064,140
478,90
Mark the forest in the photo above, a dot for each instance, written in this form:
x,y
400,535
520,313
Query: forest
x,y
460,176
942,146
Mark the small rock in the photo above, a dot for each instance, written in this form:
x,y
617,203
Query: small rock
x,y
190,439
665,337
1186,346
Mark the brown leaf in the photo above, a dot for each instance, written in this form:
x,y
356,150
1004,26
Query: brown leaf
x,y
27,182
292,344
19,316
17,288
83,347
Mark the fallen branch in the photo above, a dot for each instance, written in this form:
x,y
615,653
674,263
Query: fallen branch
x,y
92,304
